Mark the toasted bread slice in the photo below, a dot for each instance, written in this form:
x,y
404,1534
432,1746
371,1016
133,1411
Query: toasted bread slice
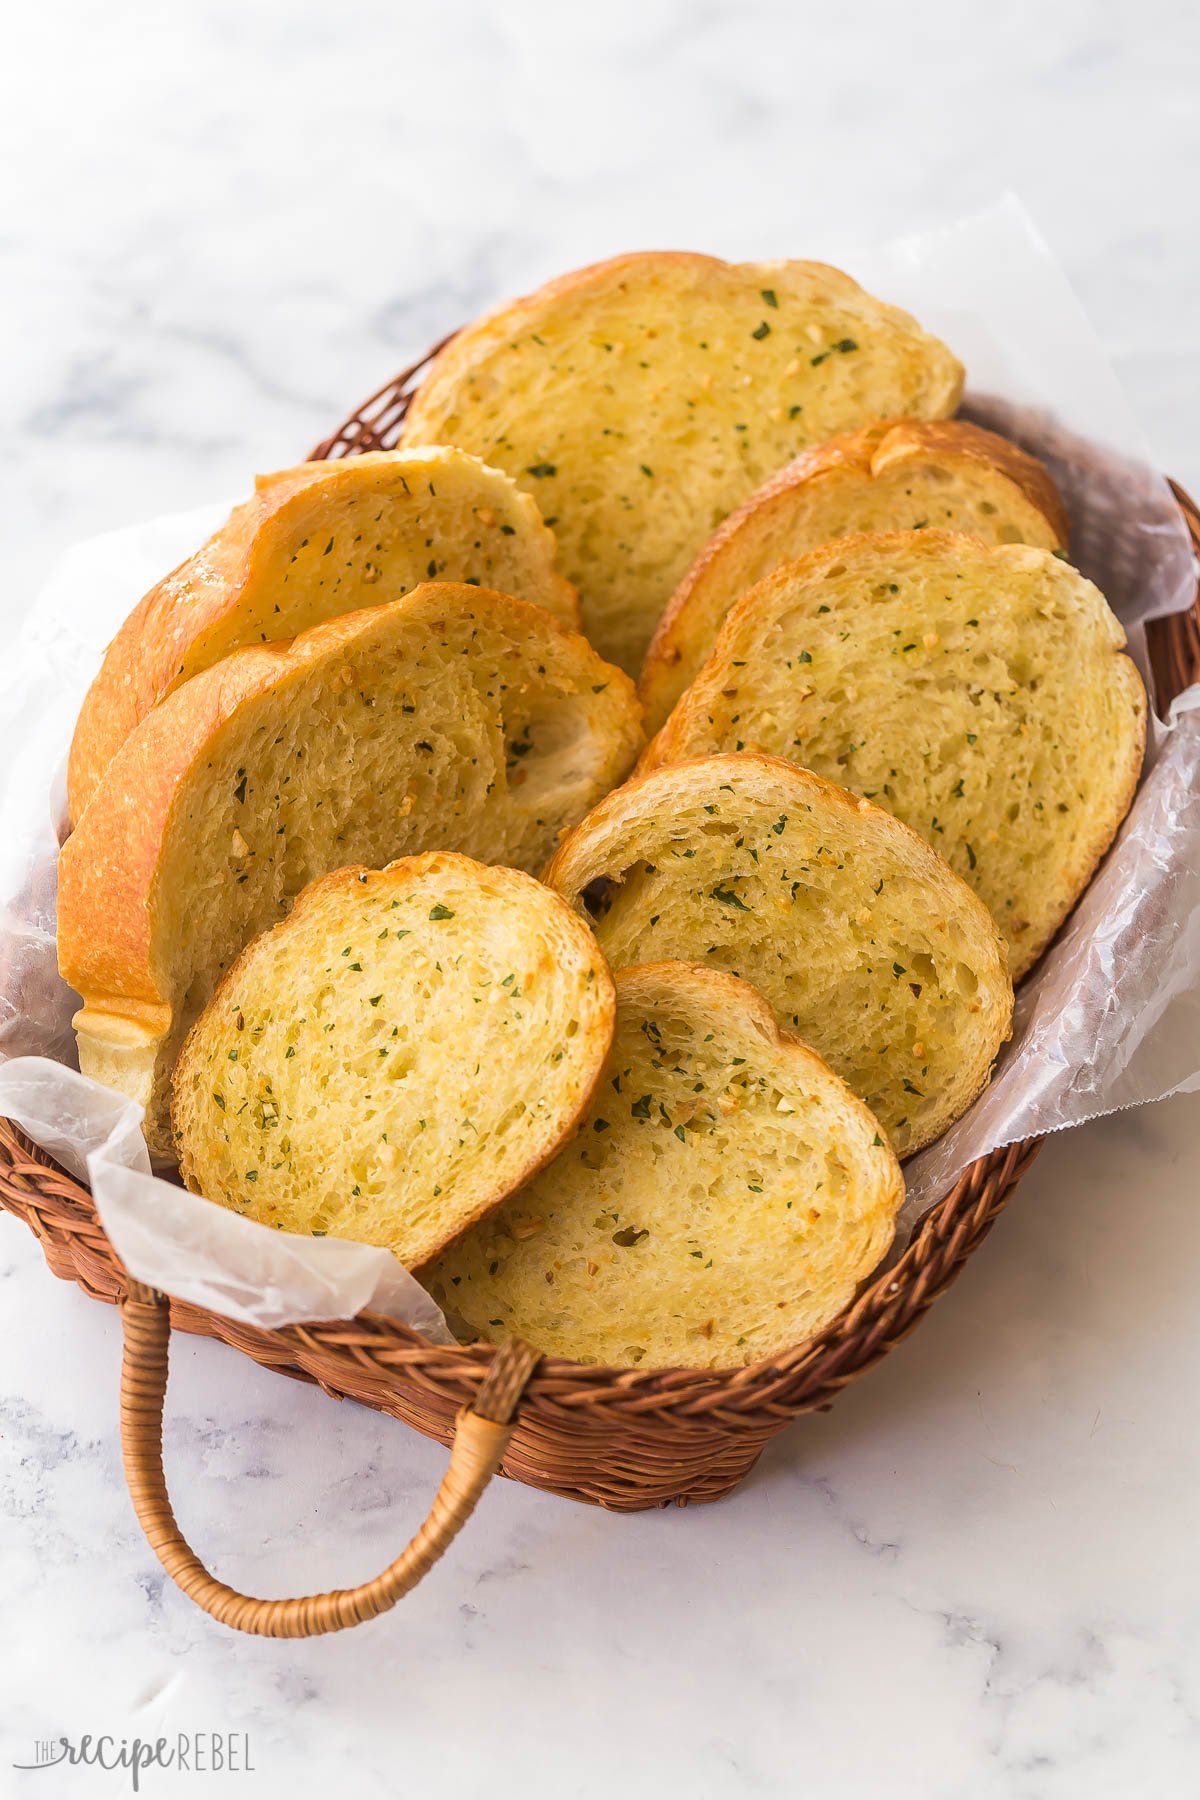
x,y
313,543
454,718
721,1201
902,475
402,1051
976,692
860,936
642,399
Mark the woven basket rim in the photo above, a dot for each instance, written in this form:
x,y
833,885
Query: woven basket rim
x,y
555,1376
888,1305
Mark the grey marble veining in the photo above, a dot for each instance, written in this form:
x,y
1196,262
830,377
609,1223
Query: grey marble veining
x,y
976,1578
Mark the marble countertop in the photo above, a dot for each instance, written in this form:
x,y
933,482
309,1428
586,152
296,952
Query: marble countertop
x,y
977,1576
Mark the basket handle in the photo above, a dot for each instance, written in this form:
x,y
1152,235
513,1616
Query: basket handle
x,y
481,1436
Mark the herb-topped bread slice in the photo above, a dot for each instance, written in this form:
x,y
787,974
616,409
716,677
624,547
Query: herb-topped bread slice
x,y
902,475
719,1203
454,718
396,1056
864,941
642,399
978,693
313,543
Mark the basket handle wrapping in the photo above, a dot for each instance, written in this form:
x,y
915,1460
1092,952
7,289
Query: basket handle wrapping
x,y
481,1437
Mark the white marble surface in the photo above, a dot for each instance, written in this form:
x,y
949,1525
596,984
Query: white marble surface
x,y
977,1577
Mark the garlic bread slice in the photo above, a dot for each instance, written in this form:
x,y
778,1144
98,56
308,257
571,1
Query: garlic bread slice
x,y
977,692
398,1054
894,475
719,1203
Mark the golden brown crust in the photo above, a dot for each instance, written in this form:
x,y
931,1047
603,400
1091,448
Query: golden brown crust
x,y
908,438
106,867
652,756
866,452
885,442
1106,837
139,662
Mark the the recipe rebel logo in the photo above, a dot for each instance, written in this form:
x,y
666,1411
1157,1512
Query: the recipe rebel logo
x,y
190,1752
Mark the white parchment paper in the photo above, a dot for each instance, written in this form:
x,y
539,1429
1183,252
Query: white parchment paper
x,y
1110,1019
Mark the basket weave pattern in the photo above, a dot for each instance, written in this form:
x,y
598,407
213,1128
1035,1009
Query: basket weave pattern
x,y
626,1439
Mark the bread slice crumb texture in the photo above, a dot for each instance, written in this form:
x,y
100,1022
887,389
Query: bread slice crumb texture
x,y
640,400
864,941
391,1060
976,692
720,1202
899,475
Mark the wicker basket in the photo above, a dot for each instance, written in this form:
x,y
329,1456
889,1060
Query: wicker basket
x,y
626,1439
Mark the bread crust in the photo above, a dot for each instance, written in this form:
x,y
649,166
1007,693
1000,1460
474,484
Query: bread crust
x,y
151,652
661,793
676,739
431,865
1105,837
879,446
908,439
106,867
